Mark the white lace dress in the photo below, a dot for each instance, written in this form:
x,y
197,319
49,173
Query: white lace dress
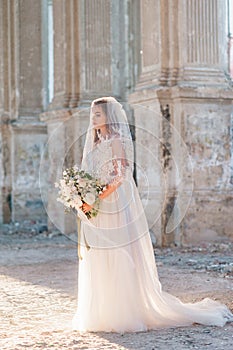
x,y
118,285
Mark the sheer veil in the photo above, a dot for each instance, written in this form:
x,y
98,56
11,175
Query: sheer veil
x,y
118,288
121,219
118,127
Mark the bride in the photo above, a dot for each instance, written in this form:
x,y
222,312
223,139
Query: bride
x,y
118,285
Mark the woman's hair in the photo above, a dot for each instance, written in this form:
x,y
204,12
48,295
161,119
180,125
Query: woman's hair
x,y
110,125
103,104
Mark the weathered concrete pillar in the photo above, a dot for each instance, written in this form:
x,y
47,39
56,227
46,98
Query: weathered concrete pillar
x,y
184,66
66,54
30,58
230,55
96,77
8,100
1,111
28,132
109,58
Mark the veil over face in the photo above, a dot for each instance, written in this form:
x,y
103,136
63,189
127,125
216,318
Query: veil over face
x,y
117,129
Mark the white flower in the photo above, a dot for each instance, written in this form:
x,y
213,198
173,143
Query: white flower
x,y
66,191
77,201
82,183
56,184
89,198
62,183
73,189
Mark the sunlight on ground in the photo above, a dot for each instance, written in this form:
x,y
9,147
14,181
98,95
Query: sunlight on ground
x,y
26,307
37,317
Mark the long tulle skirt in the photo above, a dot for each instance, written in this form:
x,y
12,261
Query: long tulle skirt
x,y
118,285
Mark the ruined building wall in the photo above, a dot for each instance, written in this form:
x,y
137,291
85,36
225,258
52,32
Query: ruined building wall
x,y
167,59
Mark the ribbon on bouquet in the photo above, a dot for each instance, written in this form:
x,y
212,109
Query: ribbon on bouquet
x,y
80,216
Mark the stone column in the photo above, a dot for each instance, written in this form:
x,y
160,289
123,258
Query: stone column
x,y
95,30
205,38
66,54
28,132
1,111
150,43
230,55
184,67
9,99
30,58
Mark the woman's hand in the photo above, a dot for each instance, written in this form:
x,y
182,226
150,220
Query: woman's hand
x,y
110,188
86,207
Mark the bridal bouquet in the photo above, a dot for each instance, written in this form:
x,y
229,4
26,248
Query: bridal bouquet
x,y
76,187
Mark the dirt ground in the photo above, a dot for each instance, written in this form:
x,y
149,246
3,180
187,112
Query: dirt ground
x,y
38,296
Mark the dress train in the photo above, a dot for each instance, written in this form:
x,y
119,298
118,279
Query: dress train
x,y
118,285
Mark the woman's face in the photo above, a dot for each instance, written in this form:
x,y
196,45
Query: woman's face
x,y
99,117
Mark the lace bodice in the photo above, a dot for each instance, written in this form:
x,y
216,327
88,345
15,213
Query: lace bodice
x,y
107,161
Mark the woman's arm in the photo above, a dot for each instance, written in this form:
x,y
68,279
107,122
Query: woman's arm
x,y
110,189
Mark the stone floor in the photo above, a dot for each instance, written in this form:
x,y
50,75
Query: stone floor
x,y
38,274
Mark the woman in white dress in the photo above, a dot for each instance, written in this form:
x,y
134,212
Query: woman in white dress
x,y
118,285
